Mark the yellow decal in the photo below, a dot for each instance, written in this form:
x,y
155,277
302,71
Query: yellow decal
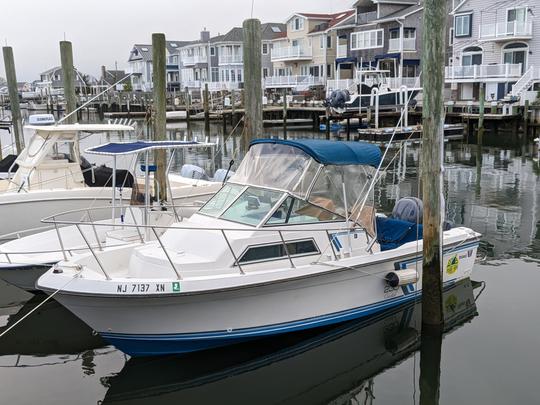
x,y
452,265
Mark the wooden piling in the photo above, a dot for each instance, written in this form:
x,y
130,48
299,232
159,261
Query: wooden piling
x,y
159,95
434,22
68,73
233,107
480,138
526,120
284,113
253,123
11,77
206,108
327,120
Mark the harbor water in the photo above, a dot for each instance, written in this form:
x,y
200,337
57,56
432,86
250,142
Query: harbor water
x,y
489,349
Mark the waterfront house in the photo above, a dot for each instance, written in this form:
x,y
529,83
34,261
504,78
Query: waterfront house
x,y
53,78
495,43
305,55
194,62
140,67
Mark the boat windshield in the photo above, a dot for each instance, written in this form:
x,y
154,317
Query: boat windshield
x,y
252,206
221,199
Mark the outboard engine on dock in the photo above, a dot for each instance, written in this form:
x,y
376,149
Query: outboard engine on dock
x,y
337,99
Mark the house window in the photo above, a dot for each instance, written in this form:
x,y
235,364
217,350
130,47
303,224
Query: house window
x,y
517,14
409,33
321,41
463,25
328,70
394,33
451,36
367,39
212,51
471,56
277,251
233,76
264,72
215,74
265,49
297,24
329,42
239,75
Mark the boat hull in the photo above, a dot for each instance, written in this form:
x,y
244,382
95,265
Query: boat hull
x,y
182,322
24,276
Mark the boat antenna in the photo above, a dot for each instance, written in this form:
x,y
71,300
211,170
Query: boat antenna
x,y
231,163
93,98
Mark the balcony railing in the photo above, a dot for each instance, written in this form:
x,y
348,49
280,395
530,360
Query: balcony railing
x,y
409,44
291,53
342,51
292,81
364,18
506,30
484,72
194,59
230,59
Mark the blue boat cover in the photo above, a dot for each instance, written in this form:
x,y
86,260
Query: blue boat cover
x,y
125,148
333,152
392,233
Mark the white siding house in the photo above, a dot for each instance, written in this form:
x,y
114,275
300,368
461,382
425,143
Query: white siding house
x,y
496,43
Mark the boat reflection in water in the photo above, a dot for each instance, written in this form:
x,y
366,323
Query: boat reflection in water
x,y
334,364
51,333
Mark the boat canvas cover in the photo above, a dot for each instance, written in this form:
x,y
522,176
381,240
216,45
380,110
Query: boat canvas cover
x,y
126,148
333,152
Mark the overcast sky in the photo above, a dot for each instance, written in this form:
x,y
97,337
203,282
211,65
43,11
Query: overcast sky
x,y
103,31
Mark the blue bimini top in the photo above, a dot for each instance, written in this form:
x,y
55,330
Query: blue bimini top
x,y
127,148
333,152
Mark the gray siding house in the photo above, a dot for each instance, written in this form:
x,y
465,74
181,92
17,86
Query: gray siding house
x,y
497,44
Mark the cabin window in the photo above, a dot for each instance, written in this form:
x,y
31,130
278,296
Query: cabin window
x,y
463,25
252,206
221,199
277,251
295,211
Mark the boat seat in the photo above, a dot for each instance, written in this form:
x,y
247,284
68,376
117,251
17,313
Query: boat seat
x,y
392,233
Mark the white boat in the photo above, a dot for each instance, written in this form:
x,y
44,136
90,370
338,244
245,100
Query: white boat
x,y
25,259
52,177
291,242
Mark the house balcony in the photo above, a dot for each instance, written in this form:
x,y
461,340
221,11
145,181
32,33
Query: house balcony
x,y
512,30
409,45
291,53
194,59
231,60
296,82
484,73
364,18
342,51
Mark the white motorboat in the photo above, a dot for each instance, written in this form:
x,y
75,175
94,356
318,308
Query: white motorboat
x,y
291,242
52,177
25,259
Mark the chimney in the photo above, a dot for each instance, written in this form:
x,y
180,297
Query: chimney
x,y
205,35
103,72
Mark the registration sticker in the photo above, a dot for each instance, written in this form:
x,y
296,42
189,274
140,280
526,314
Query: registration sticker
x,y
452,265
176,286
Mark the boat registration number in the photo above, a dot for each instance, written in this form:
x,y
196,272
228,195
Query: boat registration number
x,y
151,288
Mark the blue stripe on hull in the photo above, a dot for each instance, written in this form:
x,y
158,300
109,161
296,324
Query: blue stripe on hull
x,y
151,345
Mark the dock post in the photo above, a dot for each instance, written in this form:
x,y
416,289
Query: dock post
x,y
206,108
348,129
284,113
233,106
431,172
11,77
526,120
68,73
188,105
482,101
327,123
253,123
159,96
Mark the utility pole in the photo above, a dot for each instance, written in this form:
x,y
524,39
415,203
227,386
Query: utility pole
x,y
159,113
11,77
68,73
252,81
431,171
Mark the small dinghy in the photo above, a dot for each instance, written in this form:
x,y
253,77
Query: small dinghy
x,y
291,242
25,259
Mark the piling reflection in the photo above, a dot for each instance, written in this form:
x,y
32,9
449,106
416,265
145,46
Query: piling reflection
x,y
333,365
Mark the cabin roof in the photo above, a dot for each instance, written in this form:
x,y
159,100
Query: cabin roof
x,y
80,128
127,148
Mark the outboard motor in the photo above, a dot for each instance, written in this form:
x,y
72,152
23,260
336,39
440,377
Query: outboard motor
x,y
193,172
410,209
222,175
337,99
